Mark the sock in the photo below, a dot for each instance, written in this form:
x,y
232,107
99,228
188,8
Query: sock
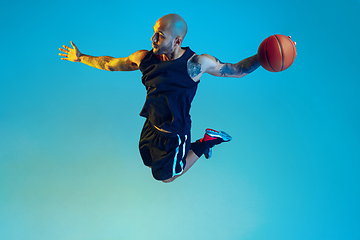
x,y
199,147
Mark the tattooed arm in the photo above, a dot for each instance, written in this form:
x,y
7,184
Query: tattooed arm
x,y
130,63
200,64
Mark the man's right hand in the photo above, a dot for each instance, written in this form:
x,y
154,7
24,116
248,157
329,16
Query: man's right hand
x,y
70,54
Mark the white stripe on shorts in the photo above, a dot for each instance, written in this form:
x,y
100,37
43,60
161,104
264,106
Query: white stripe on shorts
x,y
182,156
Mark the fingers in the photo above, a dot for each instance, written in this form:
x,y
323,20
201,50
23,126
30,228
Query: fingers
x,y
68,48
64,55
64,46
73,44
291,39
64,50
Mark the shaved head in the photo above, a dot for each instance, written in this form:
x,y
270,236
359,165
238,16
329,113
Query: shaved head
x,y
175,24
169,33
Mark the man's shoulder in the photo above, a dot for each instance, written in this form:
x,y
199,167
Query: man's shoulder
x,y
202,59
141,53
199,64
138,56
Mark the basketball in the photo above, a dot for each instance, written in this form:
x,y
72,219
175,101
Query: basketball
x,y
276,53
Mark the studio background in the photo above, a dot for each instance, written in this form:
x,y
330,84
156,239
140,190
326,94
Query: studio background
x,y
69,162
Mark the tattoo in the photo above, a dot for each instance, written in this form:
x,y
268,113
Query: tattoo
x,y
194,67
217,60
249,65
123,65
229,70
120,64
241,68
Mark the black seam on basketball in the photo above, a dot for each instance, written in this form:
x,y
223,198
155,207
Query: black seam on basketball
x,y
282,53
267,58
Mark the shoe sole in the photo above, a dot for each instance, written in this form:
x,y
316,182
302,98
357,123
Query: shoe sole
x,y
208,154
223,135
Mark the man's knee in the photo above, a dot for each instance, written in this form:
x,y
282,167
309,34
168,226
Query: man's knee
x,y
170,180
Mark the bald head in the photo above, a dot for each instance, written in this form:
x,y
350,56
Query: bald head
x,y
169,32
175,24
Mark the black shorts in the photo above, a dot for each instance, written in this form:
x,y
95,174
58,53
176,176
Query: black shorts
x,y
164,152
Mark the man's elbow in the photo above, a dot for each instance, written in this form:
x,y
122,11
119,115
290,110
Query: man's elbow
x,y
241,75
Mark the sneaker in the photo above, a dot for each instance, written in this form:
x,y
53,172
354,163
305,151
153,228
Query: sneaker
x,y
213,137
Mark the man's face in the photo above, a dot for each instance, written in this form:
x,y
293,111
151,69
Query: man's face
x,y
162,40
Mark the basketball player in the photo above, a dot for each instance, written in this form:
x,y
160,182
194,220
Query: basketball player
x,y
171,74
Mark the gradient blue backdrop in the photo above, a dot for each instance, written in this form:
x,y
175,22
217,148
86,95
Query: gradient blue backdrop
x,y
69,163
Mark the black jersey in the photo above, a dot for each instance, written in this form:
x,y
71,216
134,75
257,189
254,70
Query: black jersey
x,y
170,91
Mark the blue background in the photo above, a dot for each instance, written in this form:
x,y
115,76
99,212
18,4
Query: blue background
x,y
69,163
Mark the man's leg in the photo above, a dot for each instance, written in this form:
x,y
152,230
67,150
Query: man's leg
x,y
190,160
210,139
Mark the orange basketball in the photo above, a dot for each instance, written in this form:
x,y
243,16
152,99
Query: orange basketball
x,y
276,53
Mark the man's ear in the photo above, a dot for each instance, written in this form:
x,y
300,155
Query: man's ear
x,y
178,41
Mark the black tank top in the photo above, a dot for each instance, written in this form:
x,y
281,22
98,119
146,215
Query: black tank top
x,y
170,91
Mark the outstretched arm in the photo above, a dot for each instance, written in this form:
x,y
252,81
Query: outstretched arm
x,y
205,63
108,63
